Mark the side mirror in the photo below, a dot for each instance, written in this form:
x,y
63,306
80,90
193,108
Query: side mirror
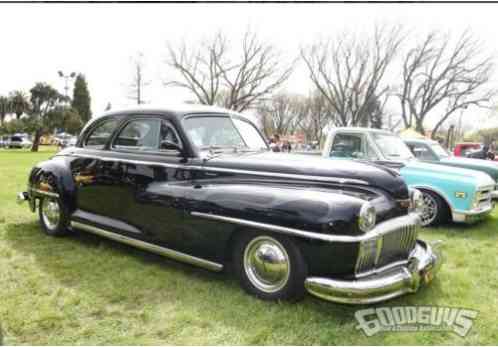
x,y
170,146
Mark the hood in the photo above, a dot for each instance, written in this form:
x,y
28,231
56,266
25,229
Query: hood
x,y
314,166
487,166
449,172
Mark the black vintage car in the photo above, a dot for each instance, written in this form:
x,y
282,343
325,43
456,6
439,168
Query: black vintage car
x,y
198,184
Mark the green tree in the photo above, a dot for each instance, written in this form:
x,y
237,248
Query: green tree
x,y
5,107
44,99
20,102
81,99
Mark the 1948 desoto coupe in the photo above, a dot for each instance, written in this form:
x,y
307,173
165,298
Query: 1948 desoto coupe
x,y
198,184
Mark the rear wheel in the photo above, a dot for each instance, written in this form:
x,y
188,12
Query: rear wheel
x,y
270,267
435,210
52,217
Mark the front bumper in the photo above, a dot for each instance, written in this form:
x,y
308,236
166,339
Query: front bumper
x,y
472,216
423,263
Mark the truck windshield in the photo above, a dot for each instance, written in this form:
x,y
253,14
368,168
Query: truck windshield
x,y
221,132
392,147
439,150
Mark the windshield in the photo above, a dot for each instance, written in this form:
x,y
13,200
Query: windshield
x,y
392,147
439,150
213,132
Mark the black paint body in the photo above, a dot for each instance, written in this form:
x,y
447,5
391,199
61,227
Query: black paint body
x,y
151,196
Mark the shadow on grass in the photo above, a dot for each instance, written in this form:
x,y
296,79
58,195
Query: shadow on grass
x,y
117,274
484,230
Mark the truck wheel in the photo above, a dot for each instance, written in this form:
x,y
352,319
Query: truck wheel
x,y
435,210
52,217
270,267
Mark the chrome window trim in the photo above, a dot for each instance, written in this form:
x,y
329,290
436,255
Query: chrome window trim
x,y
227,170
379,230
167,252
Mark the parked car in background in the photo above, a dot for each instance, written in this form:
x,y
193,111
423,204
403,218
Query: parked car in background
x,y
199,184
450,193
18,141
461,149
432,152
68,141
4,141
483,153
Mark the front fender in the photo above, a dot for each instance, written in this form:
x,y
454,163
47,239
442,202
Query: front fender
x,y
305,209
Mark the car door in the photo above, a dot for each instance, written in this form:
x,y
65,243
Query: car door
x,y
94,175
153,178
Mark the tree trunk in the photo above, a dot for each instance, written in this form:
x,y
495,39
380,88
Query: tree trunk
x,y
420,127
36,141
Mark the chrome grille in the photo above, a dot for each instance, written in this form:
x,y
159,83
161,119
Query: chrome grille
x,y
388,248
483,197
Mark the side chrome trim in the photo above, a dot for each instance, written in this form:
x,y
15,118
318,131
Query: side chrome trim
x,y
380,229
227,170
43,192
209,265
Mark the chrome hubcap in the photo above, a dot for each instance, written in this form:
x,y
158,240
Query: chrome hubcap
x,y
50,213
266,264
429,212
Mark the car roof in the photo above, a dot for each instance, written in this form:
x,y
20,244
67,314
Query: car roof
x,y
420,140
179,110
362,129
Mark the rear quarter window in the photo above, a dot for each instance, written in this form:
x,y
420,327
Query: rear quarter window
x,y
100,134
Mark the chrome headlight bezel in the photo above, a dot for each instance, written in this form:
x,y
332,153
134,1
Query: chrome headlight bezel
x,y
416,200
367,217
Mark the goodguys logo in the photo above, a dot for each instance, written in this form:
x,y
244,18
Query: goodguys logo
x,y
415,318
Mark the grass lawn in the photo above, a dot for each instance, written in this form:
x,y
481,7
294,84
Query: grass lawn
x,y
86,290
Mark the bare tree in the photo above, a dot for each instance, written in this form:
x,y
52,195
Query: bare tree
x,y
316,115
236,80
349,71
138,83
439,77
281,113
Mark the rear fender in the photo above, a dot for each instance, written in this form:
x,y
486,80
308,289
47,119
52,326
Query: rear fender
x,y
53,176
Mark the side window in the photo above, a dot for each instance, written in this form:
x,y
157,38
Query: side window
x,y
101,134
421,152
168,138
139,135
347,146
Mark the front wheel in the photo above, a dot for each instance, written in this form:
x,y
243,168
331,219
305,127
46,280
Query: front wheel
x,y
52,217
270,267
435,211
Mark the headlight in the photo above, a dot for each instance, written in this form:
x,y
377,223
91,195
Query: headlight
x,y
417,200
367,217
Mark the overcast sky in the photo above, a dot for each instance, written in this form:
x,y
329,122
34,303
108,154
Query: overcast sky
x,y
99,40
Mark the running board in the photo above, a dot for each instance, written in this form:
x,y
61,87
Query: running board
x,y
206,264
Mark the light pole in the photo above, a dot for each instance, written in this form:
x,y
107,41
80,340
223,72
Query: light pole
x,y
66,81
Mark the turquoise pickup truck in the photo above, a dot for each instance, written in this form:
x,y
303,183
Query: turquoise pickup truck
x,y
432,152
450,193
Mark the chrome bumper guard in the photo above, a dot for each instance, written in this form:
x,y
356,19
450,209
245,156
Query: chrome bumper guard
x,y
423,263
